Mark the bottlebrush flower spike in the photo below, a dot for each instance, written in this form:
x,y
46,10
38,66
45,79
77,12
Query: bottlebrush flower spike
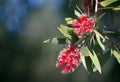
x,y
83,24
69,58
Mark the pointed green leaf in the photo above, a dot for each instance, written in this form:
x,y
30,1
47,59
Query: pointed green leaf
x,y
101,16
94,59
97,33
84,62
66,31
87,63
56,41
104,58
117,55
77,13
92,40
84,51
107,2
100,42
47,41
116,8
69,20
108,32
99,37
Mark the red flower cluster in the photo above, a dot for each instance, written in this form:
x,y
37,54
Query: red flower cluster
x,y
69,58
83,24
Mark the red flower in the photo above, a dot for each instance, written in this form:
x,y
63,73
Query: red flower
x,y
83,24
69,58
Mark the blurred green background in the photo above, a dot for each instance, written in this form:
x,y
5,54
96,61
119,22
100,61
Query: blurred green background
x,y
24,25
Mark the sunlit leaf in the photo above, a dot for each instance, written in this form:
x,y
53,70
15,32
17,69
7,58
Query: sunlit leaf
x,y
99,37
87,63
56,41
104,55
116,8
107,2
84,51
94,59
69,20
116,55
77,13
68,33
92,40
84,62
100,42
97,33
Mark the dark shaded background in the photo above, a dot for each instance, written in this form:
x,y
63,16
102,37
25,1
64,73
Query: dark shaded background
x,y
24,25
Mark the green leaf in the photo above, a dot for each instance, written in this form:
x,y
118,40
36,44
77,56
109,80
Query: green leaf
x,y
87,63
107,2
94,59
84,51
104,55
77,13
116,55
69,20
97,33
99,37
108,32
92,40
103,58
101,16
84,62
100,43
66,31
56,41
116,8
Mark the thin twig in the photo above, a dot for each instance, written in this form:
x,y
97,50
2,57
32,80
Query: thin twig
x,y
81,41
96,6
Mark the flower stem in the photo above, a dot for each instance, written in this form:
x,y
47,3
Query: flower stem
x,y
81,41
96,7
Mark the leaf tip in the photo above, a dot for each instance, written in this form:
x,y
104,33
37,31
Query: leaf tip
x,y
46,41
